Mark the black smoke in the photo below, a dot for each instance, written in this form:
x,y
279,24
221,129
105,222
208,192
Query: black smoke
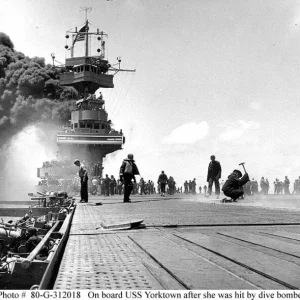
x,y
29,91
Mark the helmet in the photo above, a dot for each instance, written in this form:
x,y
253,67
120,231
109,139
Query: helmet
x,y
238,173
76,161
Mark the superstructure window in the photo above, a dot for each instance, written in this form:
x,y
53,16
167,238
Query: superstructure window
x,y
87,68
81,125
96,125
89,125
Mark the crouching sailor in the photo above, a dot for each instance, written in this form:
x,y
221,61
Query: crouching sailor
x,y
233,186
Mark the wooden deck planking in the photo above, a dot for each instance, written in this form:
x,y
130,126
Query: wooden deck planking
x,y
192,270
285,234
264,241
279,270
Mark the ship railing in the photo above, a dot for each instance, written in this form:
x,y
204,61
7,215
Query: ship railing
x,y
26,263
88,130
88,106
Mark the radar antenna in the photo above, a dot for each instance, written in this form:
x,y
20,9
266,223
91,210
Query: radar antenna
x,y
87,9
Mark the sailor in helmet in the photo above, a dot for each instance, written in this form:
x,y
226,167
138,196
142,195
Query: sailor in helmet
x,y
128,171
233,186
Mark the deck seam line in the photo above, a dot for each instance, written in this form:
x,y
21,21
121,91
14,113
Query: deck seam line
x,y
142,261
211,262
243,265
252,243
158,262
221,225
281,236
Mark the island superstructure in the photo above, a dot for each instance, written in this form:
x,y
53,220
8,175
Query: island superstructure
x,y
90,135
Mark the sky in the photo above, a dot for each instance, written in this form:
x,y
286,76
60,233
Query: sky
x,y
212,77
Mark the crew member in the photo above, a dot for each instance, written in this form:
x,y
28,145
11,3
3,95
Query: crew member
x,y
112,185
33,239
162,181
213,175
186,187
128,171
95,183
194,186
286,186
142,186
263,186
190,186
106,183
83,180
233,185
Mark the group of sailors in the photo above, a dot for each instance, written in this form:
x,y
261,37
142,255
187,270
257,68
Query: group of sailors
x,y
109,185
90,102
190,187
281,187
69,184
55,163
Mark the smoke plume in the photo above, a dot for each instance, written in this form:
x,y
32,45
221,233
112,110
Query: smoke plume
x,y
24,153
29,91
30,97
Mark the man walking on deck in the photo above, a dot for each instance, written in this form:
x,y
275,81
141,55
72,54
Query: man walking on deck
x,y
128,171
213,176
200,189
186,187
162,181
286,186
83,180
112,185
95,183
106,183
194,186
263,186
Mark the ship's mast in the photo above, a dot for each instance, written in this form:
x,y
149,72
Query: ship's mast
x,y
86,30
86,11
86,38
83,35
